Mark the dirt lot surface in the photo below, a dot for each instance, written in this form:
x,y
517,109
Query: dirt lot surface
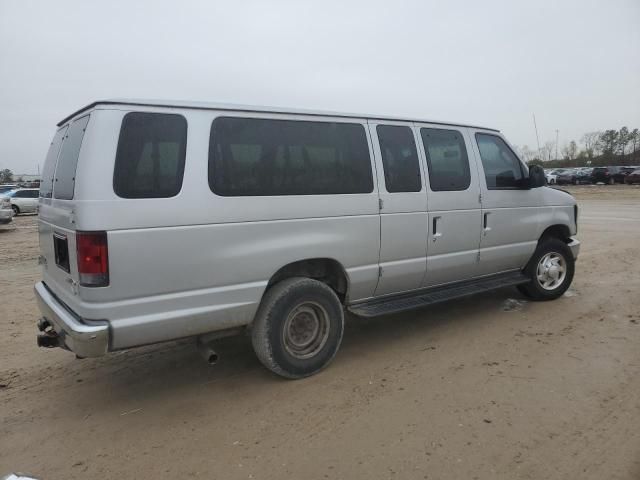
x,y
491,387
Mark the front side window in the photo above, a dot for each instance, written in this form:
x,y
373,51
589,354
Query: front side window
x,y
150,156
446,159
502,169
399,158
256,157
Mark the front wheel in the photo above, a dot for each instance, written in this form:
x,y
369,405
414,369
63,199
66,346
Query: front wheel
x,y
298,328
550,269
15,209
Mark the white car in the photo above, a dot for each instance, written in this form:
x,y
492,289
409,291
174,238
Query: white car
x,y
23,200
6,213
551,176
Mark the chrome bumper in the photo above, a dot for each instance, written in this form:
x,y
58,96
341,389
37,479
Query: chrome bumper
x,y
574,245
84,338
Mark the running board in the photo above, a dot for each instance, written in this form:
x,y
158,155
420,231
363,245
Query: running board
x,y
422,298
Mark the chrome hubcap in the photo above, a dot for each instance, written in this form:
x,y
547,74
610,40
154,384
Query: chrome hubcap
x,y
306,330
552,270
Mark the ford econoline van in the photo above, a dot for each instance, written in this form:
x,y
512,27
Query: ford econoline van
x,y
165,220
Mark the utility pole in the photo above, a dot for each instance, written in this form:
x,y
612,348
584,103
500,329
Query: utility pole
x,y
556,144
536,127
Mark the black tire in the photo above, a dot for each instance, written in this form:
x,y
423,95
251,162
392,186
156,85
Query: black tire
x,y
16,210
534,289
611,181
297,299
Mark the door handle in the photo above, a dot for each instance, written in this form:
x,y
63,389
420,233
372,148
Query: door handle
x,y
436,233
485,224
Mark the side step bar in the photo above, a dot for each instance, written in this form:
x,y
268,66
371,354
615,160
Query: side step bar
x,y
422,298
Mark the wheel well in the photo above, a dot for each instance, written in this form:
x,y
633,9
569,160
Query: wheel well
x,y
326,270
561,232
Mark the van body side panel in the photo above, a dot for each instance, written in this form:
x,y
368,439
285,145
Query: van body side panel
x,y
199,262
513,220
403,228
453,245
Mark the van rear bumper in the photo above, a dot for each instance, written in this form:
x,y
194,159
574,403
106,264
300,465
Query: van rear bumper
x,y
84,338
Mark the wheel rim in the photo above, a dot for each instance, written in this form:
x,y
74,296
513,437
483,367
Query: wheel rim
x,y
551,271
306,330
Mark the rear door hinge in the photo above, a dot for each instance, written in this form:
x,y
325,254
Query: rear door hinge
x,y
380,204
379,271
480,198
478,257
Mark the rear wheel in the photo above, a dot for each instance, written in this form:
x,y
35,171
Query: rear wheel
x,y
298,328
550,269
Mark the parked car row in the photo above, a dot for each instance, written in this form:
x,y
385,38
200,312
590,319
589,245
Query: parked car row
x,y
15,201
586,175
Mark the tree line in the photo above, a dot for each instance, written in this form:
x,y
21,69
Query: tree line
x,y
602,148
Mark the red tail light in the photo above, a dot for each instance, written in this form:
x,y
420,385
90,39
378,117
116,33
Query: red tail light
x,y
93,259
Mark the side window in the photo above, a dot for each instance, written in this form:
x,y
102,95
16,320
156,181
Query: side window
x,y
399,158
150,156
446,159
46,185
254,157
502,169
32,193
65,176
20,194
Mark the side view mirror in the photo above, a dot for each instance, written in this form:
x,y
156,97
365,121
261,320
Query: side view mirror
x,y
537,177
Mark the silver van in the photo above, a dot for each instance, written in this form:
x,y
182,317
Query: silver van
x,y
160,221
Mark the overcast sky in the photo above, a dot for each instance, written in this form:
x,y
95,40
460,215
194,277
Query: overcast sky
x,y
575,63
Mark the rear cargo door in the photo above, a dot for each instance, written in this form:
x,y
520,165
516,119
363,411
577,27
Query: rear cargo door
x,y
56,223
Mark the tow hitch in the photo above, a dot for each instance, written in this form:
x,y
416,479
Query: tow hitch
x,y
49,338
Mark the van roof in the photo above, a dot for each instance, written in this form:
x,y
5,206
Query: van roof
x,y
251,108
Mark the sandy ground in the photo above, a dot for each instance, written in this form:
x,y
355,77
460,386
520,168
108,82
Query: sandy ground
x,y
491,387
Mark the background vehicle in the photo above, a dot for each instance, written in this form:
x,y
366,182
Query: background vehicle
x,y
567,176
23,200
604,175
622,173
303,214
551,176
584,175
7,188
6,212
633,177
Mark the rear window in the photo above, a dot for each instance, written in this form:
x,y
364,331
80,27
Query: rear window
x,y
49,169
262,157
399,158
150,155
447,159
65,177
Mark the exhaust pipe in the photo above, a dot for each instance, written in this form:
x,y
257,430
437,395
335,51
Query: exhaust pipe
x,y
48,341
208,353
